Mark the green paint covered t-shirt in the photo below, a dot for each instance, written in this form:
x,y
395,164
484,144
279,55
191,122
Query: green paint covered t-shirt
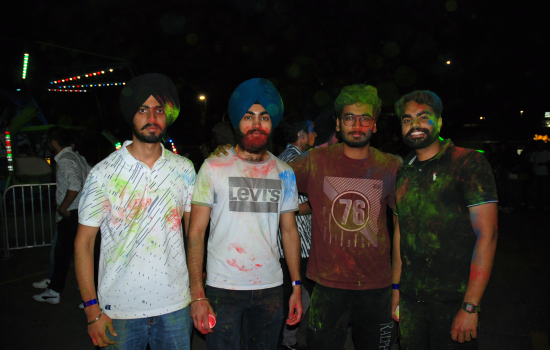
x,y
437,237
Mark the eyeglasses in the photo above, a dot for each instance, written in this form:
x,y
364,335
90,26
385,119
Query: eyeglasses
x,y
351,119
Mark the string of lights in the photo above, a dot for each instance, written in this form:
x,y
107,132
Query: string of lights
x,y
173,146
90,85
25,65
118,145
67,90
66,80
8,151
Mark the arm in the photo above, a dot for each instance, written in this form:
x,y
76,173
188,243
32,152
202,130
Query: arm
x,y
291,248
84,268
396,265
200,216
484,223
304,208
67,201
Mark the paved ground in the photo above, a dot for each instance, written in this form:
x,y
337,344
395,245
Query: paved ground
x,y
515,304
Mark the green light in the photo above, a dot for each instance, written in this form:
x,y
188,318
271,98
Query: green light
x,y
441,138
480,151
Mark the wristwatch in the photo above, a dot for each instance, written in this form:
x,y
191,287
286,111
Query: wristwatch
x,y
470,308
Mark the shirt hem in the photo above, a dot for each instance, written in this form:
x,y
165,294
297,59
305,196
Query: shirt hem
x,y
251,287
289,211
348,286
481,203
148,313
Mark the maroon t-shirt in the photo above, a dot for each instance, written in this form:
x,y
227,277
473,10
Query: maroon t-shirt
x,y
350,246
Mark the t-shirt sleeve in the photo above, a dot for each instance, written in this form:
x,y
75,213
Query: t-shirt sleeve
x,y
203,192
189,180
301,167
94,206
290,194
478,181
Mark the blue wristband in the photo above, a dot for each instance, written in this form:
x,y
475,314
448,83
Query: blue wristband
x,y
296,283
395,286
90,302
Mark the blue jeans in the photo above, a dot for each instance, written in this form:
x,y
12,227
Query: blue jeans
x,y
261,312
165,332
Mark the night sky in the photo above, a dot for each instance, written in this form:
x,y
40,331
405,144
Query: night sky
x,y
308,49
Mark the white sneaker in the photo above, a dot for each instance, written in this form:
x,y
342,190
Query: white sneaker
x,y
48,296
42,284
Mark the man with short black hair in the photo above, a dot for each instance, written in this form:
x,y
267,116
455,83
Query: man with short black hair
x,y
70,178
349,186
246,195
445,239
300,135
138,195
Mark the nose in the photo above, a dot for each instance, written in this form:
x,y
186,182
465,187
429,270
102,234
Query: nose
x,y
415,123
151,116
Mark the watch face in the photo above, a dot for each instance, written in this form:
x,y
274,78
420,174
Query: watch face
x,y
469,308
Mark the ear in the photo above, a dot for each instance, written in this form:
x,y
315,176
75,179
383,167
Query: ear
x,y
374,126
337,124
439,124
55,144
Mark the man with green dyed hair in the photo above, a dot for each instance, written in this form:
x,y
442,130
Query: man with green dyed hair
x,y
447,209
138,195
350,185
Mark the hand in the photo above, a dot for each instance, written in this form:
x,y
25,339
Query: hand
x,y
464,326
96,331
221,150
64,213
295,309
394,303
199,314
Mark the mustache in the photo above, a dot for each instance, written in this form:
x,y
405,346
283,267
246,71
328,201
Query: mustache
x,y
249,132
424,130
149,125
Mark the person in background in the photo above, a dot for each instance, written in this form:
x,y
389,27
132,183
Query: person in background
x,y
300,134
325,129
70,178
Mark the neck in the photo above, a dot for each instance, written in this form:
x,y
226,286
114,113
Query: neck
x,y
251,157
147,153
301,147
428,152
357,152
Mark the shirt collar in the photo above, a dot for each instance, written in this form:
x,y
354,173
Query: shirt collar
x,y
63,151
129,158
296,148
445,146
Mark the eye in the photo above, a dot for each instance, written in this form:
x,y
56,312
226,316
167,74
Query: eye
x,y
143,110
405,121
160,111
265,118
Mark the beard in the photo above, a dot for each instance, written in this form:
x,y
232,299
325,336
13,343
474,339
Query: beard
x,y
148,137
420,143
252,144
351,142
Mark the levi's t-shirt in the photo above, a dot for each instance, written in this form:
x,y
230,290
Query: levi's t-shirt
x,y
247,199
350,247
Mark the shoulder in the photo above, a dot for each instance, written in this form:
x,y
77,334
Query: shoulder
x,y
177,160
112,159
385,159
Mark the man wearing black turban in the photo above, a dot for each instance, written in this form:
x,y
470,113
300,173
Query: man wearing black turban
x,y
245,196
138,195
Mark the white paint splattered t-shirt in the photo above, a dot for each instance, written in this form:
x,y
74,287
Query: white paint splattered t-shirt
x,y
247,200
142,268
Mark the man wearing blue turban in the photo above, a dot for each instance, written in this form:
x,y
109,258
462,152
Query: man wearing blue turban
x,y
245,195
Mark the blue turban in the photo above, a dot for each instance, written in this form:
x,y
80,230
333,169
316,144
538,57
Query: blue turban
x,y
256,90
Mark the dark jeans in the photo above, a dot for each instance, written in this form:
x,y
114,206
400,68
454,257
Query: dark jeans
x,y
64,249
424,325
261,311
165,332
368,311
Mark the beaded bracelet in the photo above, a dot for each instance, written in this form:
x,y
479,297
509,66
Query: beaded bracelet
x,y
96,319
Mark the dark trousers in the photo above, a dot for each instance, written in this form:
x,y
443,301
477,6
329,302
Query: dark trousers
x,y
64,249
427,326
368,311
259,311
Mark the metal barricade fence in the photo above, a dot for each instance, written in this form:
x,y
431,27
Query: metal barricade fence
x,y
29,213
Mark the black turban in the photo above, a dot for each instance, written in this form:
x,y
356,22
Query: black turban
x,y
138,90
